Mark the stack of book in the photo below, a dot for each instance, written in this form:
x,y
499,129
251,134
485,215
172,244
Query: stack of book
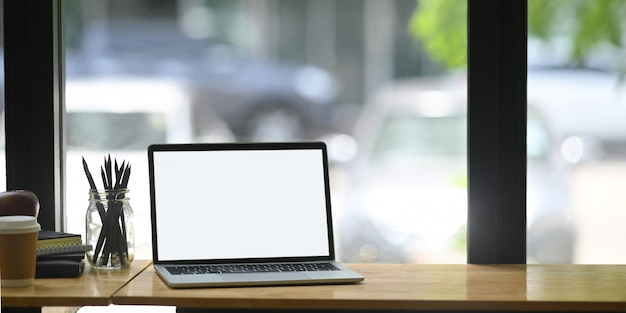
x,y
59,254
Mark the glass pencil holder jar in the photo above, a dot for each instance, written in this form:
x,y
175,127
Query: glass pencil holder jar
x,y
110,229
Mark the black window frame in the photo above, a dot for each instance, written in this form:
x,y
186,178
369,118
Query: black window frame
x,y
33,64
497,34
497,105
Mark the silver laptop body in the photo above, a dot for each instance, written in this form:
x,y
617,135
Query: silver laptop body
x,y
243,214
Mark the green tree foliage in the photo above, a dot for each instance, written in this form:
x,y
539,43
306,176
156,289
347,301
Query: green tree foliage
x,y
588,26
441,26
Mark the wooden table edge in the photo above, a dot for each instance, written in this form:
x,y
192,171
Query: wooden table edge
x,y
364,304
360,305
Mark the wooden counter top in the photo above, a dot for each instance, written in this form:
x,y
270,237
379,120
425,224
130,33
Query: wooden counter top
x,y
414,287
91,288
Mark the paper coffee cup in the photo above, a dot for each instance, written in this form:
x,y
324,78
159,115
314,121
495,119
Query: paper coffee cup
x,y
18,250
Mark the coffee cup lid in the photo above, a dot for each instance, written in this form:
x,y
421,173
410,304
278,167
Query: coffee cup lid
x,y
18,224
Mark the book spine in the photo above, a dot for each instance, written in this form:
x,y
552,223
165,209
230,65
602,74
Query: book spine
x,y
62,249
58,242
65,257
59,269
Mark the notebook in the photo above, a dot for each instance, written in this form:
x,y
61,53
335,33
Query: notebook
x,y
243,214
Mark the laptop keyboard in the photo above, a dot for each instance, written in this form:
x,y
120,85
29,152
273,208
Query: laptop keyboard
x,y
249,268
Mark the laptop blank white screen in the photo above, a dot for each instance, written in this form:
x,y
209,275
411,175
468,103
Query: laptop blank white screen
x,y
240,204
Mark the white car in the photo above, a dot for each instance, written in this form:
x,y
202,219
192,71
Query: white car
x,y
407,194
120,117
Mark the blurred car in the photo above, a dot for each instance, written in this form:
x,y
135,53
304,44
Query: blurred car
x,y
263,100
406,199
586,108
116,113
258,99
120,117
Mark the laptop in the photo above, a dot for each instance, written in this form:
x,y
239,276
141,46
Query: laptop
x,y
243,214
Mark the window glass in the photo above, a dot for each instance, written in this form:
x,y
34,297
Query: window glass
x,y
575,83
352,73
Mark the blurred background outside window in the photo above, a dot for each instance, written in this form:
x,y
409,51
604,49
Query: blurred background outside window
x,y
576,209
140,72
383,83
576,76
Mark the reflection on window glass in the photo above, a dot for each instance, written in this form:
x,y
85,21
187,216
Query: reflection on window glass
x,y
277,70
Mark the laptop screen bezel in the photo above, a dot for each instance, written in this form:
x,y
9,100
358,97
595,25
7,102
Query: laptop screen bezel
x,y
313,145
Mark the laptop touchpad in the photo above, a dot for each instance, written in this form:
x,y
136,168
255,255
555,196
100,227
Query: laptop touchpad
x,y
242,277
